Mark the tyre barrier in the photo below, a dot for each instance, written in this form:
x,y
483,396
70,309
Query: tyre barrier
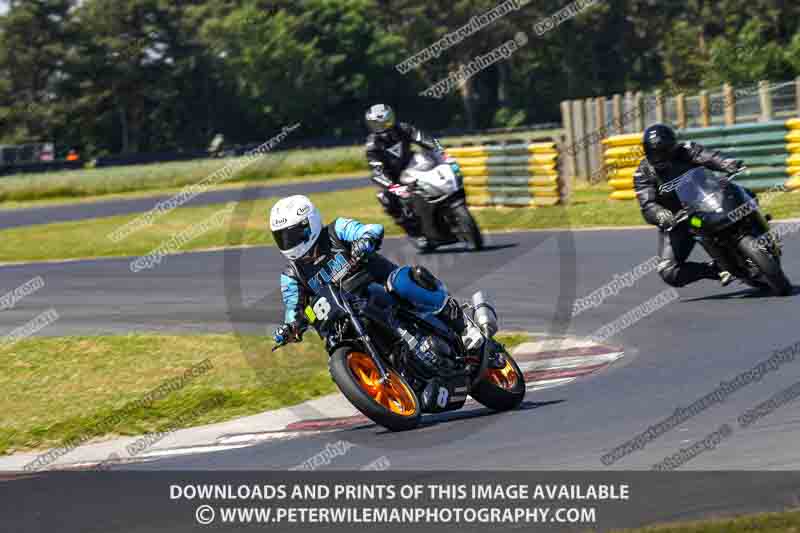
x,y
510,175
771,151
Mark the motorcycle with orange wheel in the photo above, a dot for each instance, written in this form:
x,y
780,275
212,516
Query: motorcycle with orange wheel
x,y
393,361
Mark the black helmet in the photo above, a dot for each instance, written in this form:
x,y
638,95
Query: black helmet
x,y
379,118
660,144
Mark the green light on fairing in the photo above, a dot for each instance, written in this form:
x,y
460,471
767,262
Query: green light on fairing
x,y
696,222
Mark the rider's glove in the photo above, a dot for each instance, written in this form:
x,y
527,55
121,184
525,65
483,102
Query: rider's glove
x,y
733,166
363,247
398,190
664,219
287,333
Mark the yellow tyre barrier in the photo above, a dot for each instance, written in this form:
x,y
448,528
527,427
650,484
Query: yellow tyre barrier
x,y
623,195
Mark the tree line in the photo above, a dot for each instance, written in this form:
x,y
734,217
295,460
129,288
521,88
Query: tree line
x,y
127,76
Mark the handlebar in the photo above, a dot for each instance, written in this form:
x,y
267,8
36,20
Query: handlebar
x,y
730,177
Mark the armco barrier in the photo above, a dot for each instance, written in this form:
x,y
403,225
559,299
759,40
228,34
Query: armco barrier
x,y
771,151
513,174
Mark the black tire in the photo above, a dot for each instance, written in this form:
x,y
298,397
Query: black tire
x,y
769,266
499,398
467,227
347,382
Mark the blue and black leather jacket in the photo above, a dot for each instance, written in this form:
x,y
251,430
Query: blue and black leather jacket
x,y
303,278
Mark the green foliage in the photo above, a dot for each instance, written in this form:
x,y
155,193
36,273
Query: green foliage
x,y
748,56
505,117
112,76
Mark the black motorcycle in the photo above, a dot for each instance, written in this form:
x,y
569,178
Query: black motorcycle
x,y
393,361
432,190
728,223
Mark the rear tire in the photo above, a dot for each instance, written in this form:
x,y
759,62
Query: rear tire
x,y
468,229
501,389
769,266
429,247
394,406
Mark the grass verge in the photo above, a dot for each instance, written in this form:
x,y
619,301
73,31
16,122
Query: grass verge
x,y
162,177
590,207
63,388
171,191
786,522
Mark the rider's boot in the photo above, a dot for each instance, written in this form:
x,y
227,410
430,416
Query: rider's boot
x,y
453,316
724,276
716,268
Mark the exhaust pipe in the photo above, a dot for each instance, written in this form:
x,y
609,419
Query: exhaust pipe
x,y
484,314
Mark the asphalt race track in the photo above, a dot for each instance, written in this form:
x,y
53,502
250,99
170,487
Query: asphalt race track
x,y
674,357
14,218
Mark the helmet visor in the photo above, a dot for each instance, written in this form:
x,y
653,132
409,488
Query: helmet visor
x,y
380,125
288,238
661,158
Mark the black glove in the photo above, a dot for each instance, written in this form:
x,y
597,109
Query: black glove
x,y
665,219
364,246
287,333
733,166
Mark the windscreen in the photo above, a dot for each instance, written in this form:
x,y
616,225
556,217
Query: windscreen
x,y
698,189
423,162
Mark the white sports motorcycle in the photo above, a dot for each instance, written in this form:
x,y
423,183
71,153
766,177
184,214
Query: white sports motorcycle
x,y
432,190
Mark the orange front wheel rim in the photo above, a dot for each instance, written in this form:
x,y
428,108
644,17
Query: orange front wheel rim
x,y
505,378
392,394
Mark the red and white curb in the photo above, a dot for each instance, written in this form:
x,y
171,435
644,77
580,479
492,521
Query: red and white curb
x,y
553,363
546,364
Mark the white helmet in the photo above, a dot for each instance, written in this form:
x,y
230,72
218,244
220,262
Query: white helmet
x,y
296,225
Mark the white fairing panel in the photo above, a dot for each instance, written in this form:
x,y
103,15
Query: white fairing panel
x,y
439,181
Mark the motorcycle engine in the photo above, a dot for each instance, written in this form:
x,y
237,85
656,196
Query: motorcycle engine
x,y
433,356
436,372
429,355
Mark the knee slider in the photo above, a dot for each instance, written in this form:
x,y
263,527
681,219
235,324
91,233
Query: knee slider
x,y
669,270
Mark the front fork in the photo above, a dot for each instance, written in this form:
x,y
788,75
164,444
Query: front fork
x,y
363,336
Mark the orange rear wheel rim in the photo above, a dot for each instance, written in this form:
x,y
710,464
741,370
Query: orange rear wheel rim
x,y
505,378
392,394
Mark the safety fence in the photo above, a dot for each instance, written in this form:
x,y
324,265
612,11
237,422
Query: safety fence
x,y
512,174
587,121
771,151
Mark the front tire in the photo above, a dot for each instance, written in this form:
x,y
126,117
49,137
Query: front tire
x,y
468,229
393,405
767,264
501,389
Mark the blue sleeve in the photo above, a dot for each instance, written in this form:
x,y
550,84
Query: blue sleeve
x,y
290,292
349,230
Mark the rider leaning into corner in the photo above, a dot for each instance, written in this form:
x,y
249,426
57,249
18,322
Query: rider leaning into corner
x,y
665,161
388,154
316,253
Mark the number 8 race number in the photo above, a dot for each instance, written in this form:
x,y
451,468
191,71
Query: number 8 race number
x,y
321,308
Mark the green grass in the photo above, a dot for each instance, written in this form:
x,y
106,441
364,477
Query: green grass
x,y
158,178
786,522
590,207
57,389
248,226
100,182
169,191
